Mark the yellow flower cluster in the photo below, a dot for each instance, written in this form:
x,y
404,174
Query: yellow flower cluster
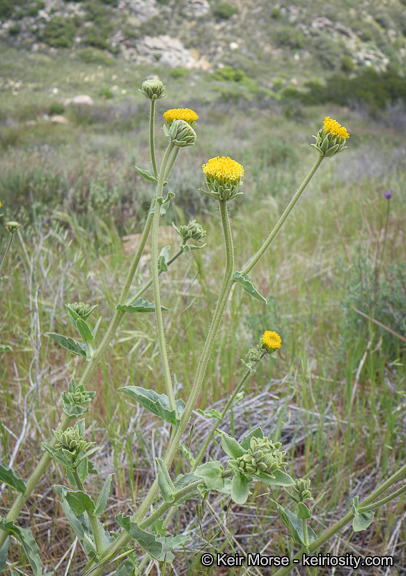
x,y
335,128
185,114
223,169
271,341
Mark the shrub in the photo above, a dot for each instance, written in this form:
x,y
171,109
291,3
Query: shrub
x,y
6,9
14,29
291,37
224,10
93,56
178,72
347,63
59,32
56,108
328,52
229,74
276,14
96,39
106,93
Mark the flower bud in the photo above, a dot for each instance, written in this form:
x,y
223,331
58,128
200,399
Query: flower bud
x,y
71,442
12,227
153,89
180,133
302,489
262,456
331,138
192,230
83,310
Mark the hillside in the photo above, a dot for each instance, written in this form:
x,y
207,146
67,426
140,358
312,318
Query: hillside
x,y
274,42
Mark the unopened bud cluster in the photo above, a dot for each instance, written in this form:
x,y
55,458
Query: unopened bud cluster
x,y
180,133
153,89
262,456
12,227
81,309
331,139
71,442
191,231
302,490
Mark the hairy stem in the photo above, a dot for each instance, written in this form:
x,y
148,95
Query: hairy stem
x,y
91,516
254,261
151,137
124,538
6,251
155,281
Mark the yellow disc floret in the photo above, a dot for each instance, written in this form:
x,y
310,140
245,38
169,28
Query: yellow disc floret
x,y
223,169
185,114
335,128
271,341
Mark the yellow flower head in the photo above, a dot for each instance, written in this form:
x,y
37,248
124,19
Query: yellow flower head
x,y
1,204
271,341
335,128
223,169
185,114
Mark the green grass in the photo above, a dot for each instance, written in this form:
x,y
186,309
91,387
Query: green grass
x,y
77,193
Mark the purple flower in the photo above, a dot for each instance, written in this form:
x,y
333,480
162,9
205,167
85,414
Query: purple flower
x,y
388,195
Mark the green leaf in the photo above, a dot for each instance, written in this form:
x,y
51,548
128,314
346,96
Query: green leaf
x,y
248,286
84,330
231,447
104,494
163,259
56,455
96,327
3,554
79,502
74,315
139,305
146,540
156,403
277,478
295,526
126,568
24,535
164,203
169,544
12,478
147,175
165,483
256,433
82,470
4,278
362,520
240,488
69,343
303,511
5,347
187,453
212,413
190,247
211,473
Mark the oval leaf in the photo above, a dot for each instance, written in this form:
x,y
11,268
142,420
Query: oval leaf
x,y
69,343
11,478
248,286
156,403
139,305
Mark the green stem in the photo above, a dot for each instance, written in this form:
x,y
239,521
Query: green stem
x,y
91,516
305,532
219,420
171,162
151,137
384,500
155,281
341,523
149,283
87,374
254,261
10,241
124,538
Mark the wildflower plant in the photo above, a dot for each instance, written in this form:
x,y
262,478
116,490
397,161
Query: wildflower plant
x,y
256,458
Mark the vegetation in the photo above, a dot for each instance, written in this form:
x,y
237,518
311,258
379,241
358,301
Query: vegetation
x,y
59,32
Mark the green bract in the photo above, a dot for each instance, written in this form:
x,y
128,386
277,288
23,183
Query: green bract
x,y
180,133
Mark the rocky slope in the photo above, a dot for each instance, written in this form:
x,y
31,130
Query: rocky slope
x,y
245,34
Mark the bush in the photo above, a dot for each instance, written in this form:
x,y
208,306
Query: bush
x,y
14,29
6,9
291,37
276,14
93,56
224,10
178,72
59,32
56,108
229,74
347,63
96,39
106,93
